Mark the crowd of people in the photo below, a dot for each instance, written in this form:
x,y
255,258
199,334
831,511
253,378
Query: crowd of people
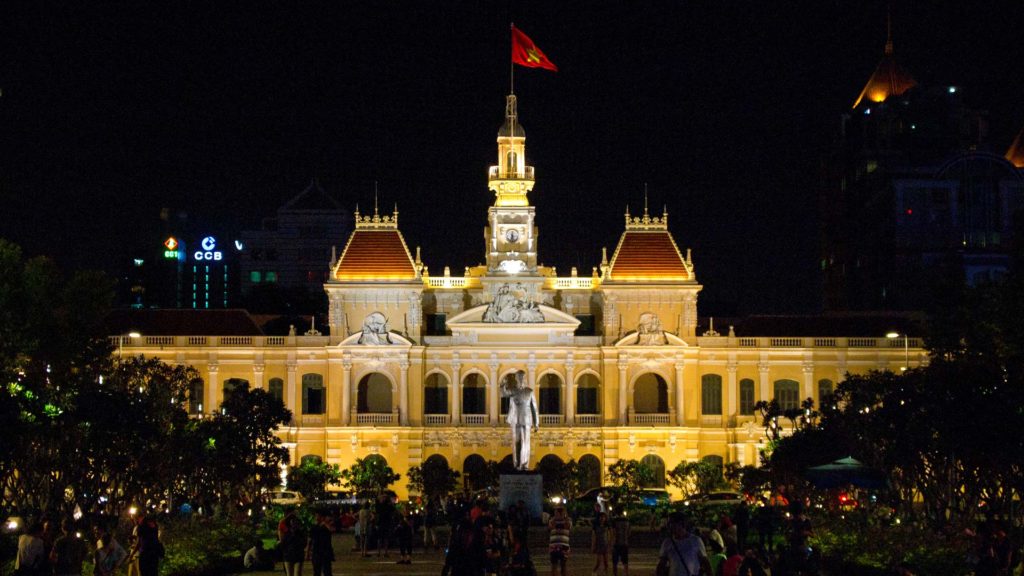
x,y
46,550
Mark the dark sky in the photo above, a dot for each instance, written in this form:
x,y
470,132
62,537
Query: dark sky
x,y
226,110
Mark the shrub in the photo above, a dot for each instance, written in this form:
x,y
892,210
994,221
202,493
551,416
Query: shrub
x,y
204,546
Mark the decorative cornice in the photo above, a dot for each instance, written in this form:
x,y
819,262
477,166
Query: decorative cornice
x,y
376,222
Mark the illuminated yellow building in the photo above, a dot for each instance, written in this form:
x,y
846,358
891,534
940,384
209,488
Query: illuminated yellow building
x,y
413,364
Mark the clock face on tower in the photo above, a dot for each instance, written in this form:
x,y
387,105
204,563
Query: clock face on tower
x,y
512,236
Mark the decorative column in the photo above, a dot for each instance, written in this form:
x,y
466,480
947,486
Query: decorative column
x,y
403,393
257,376
493,395
531,379
212,384
808,380
734,391
291,391
570,389
456,390
346,389
623,390
680,397
762,370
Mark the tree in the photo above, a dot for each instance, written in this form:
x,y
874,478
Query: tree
x,y
697,477
312,477
433,479
629,476
368,477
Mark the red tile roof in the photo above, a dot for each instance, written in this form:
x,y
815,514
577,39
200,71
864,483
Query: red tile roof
x,y
375,255
648,255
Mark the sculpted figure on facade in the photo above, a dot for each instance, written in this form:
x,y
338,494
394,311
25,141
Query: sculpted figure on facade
x,y
649,332
375,330
511,306
522,417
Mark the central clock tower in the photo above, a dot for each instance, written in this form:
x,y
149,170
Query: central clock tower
x,y
510,236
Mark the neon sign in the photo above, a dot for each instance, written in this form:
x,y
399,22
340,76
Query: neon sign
x,y
171,243
209,251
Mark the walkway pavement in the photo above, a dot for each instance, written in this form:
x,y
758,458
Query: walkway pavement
x,y
642,560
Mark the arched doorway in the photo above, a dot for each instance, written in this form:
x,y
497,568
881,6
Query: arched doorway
x,y
650,394
435,394
549,394
373,396
587,386
474,472
657,466
474,394
590,472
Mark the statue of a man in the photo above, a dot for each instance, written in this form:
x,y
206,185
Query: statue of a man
x,y
522,416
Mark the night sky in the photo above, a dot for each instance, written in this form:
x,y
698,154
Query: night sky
x,y
227,110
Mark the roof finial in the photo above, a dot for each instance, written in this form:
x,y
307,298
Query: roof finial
x,y
374,197
645,198
888,30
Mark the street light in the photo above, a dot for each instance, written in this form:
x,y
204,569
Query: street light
x,y
120,341
906,348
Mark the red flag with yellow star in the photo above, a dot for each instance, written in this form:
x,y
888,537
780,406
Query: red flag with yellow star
x,y
526,53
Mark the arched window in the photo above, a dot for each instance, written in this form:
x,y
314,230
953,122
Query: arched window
x,y
711,395
587,387
232,384
787,393
650,394
507,466
195,397
657,466
310,459
312,394
474,472
510,162
435,394
550,468
718,462
747,397
374,394
550,394
825,391
276,389
590,472
436,460
474,394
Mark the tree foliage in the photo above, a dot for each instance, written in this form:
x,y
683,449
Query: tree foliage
x,y
433,479
368,477
630,475
312,477
697,477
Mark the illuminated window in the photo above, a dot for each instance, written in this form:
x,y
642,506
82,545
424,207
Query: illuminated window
x,y
746,397
711,395
270,276
255,276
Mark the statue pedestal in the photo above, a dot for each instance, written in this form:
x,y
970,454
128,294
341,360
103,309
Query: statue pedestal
x,y
526,486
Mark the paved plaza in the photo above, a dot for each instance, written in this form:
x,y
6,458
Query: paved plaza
x,y
642,558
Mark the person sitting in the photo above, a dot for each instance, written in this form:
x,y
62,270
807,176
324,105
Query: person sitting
x,y
258,558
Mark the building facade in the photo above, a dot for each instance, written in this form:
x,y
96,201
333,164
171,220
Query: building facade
x,y
414,363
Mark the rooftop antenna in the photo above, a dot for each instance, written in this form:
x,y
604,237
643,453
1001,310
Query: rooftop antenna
x,y
645,198
511,64
374,197
888,29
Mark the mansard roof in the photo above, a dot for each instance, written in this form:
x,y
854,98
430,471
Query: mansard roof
x,y
376,251
889,79
648,253
182,322
312,198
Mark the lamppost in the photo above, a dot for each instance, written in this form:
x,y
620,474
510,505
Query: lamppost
x,y
120,341
906,348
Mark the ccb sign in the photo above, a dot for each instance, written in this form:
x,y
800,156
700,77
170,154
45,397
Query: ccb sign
x,y
209,250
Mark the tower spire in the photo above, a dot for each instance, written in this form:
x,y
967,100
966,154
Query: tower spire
x,y
888,30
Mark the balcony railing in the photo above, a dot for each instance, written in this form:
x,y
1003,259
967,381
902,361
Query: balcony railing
x,y
474,419
436,419
588,419
494,173
374,418
651,418
551,419
312,420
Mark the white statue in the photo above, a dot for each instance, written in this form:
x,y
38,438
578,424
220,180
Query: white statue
x,y
522,416
512,307
375,330
649,332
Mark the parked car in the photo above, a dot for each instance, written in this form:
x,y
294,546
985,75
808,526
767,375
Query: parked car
x,y
285,498
648,496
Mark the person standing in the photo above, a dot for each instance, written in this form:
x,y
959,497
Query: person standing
x,y
403,533
599,543
31,551
148,547
741,517
69,551
430,522
620,545
363,528
559,528
320,551
293,547
109,553
385,518
682,553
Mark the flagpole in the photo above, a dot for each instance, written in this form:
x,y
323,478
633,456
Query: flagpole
x,y
511,63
